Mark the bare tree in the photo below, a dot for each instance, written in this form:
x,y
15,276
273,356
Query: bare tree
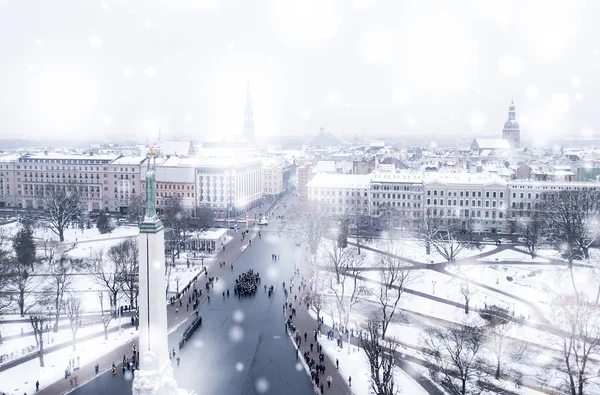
x,y
504,349
337,258
532,228
106,273
105,318
381,356
135,209
347,290
51,250
444,238
59,281
316,304
310,223
6,272
176,219
578,328
62,207
452,355
205,217
37,323
572,218
72,308
129,269
23,284
395,277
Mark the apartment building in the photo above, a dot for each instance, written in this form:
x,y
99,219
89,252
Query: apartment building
x,y
125,181
229,184
39,173
8,180
342,195
275,176
478,201
396,199
303,177
175,177
526,196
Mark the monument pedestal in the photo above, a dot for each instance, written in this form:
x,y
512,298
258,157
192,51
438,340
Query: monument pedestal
x,y
155,374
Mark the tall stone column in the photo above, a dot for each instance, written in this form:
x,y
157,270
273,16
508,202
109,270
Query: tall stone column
x,y
155,375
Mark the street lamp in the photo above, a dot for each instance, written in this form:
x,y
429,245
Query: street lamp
x,y
177,282
49,321
433,284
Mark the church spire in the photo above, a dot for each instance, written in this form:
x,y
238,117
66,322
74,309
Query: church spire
x,y
248,116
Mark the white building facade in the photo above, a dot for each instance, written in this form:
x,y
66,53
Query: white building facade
x,y
478,202
233,185
342,195
396,199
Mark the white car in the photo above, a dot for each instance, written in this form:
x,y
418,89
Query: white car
x,y
522,240
505,240
487,240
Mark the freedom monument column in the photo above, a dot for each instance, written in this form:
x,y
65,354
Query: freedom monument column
x,y
155,375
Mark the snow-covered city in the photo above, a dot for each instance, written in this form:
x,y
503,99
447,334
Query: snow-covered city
x,y
334,197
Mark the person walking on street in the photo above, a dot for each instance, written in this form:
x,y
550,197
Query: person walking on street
x,y
37,386
349,381
96,368
337,364
321,387
305,336
178,360
328,381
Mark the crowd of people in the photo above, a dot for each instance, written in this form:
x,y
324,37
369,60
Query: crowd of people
x,y
247,283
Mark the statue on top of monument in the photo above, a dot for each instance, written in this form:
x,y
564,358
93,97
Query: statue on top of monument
x,y
150,198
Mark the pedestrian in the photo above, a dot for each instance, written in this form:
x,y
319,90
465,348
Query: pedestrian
x,y
96,368
37,386
311,347
349,381
337,364
328,381
188,307
178,360
71,382
305,336
321,386
173,352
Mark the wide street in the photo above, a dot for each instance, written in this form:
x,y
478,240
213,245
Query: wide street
x,y
241,347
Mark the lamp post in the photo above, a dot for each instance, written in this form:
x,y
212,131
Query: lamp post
x,y
433,285
119,313
177,282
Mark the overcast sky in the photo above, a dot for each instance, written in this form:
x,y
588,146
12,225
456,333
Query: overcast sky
x,y
122,68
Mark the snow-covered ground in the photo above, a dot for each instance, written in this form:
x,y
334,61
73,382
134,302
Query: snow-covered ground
x,y
22,378
415,250
512,255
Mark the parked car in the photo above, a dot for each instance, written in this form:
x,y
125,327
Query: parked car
x,y
522,240
505,240
487,240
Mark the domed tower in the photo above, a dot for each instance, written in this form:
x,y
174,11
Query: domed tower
x,y
511,131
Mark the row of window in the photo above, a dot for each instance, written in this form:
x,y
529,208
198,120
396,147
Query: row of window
x,y
465,202
395,196
493,194
465,213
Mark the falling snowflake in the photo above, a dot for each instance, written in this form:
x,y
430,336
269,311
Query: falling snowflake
x,y
238,316
298,367
198,344
239,366
333,97
236,333
96,42
149,72
128,73
105,6
39,42
576,82
261,385
410,122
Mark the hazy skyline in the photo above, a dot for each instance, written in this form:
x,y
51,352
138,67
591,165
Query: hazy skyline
x,y
122,68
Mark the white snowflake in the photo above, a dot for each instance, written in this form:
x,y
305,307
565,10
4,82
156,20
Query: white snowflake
x,y
96,42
